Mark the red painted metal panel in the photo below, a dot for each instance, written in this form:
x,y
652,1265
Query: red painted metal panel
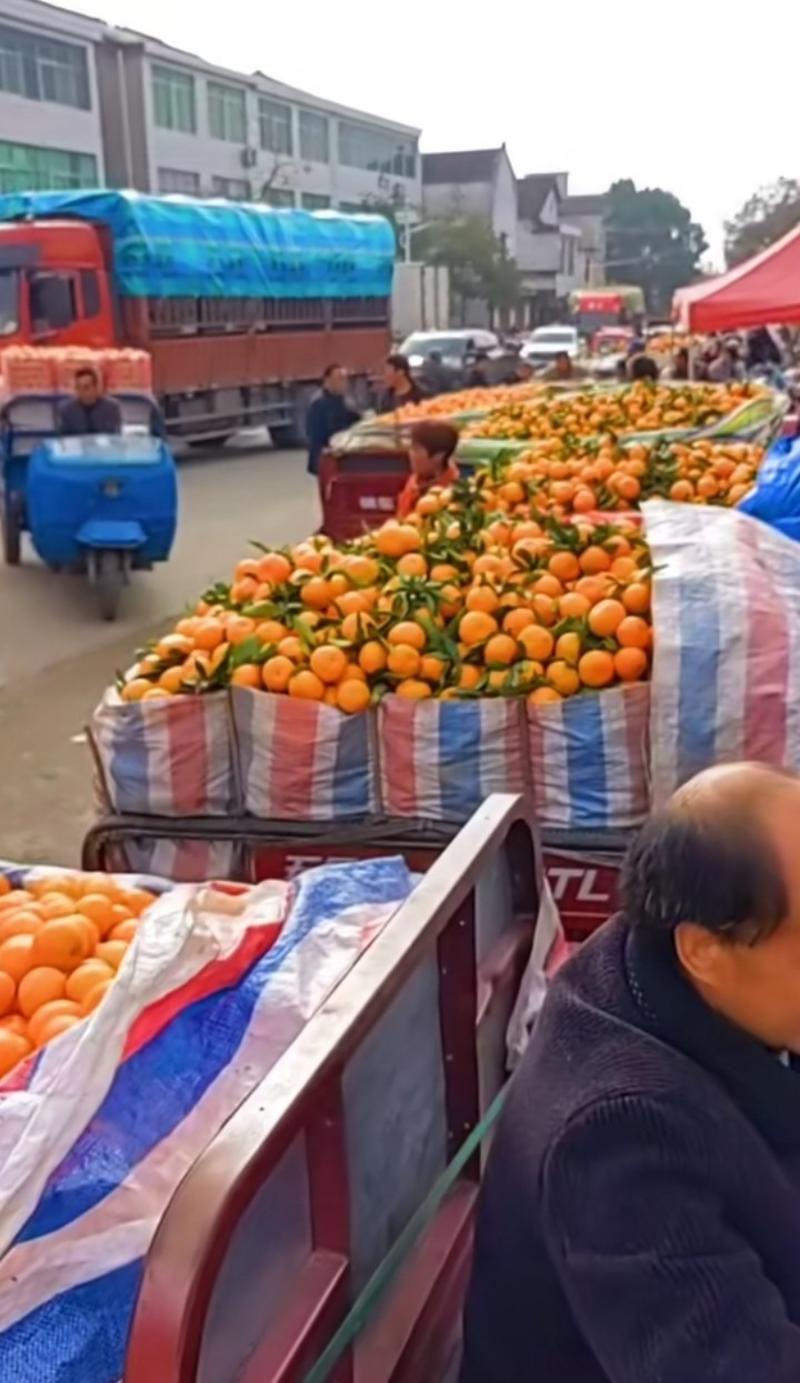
x,y
317,1302
418,1317
584,888
302,1093
458,1012
288,860
196,363
360,490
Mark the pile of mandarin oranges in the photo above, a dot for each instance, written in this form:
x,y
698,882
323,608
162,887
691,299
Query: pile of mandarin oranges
x,y
62,940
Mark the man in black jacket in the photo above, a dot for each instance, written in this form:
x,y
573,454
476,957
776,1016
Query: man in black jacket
x,y
640,1217
90,411
328,414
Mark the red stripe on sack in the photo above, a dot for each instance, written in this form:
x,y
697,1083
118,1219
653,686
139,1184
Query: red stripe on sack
x,y
186,721
217,975
398,752
20,1076
515,742
767,658
295,727
536,757
636,707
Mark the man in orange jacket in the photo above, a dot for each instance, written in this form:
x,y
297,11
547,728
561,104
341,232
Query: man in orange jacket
x,y
430,452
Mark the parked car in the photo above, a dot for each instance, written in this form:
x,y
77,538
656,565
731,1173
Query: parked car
x,y
459,350
546,342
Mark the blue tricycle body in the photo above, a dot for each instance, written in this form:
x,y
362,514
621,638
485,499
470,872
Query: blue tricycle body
x,y
103,504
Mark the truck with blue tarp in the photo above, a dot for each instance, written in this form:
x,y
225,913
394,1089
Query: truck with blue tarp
x,y
240,306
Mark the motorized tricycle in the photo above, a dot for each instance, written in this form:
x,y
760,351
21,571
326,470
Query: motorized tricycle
x,y
101,504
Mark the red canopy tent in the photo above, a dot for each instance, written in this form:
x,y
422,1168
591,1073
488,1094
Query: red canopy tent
x,y
762,290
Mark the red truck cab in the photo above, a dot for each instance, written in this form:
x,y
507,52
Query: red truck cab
x,y
218,363
55,286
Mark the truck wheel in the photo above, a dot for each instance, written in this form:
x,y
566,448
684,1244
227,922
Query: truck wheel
x,y
12,529
108,572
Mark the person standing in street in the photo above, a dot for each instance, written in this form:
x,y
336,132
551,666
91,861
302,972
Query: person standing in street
x,y
563,368
401,387
328,414
90,411
640,1215
435,375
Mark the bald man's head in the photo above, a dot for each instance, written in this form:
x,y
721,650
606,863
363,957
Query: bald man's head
x,y
718,869
713,855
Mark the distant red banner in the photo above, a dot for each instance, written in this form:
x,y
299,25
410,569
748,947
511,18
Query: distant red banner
x,y
599,302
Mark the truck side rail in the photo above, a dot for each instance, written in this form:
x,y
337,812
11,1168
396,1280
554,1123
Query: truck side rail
x,y
347,1122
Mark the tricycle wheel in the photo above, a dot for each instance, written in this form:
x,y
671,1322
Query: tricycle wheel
x,y
109,573
12,529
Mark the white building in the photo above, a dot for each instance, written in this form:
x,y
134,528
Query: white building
x,y
587,214
473,182
83,104
548,247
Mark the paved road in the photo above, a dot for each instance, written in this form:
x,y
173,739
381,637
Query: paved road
x,y
56,654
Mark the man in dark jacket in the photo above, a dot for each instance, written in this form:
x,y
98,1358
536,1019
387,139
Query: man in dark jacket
x,y
640,1218
328,414
90,411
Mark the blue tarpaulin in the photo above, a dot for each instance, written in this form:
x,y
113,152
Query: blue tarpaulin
x,y
175,247
775,498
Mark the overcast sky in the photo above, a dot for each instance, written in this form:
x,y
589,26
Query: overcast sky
x,y
696,96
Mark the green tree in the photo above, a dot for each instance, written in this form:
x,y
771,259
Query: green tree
x,y
652,241
765,217
479,264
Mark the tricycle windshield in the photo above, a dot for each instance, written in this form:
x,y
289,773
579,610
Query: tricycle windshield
x,y
116,449
9,302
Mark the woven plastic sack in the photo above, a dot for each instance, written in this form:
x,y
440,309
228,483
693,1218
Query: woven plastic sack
x,y
726,670
589,759
302,760
97,1130
170,757
440,759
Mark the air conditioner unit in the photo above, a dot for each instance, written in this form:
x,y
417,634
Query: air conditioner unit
x,y
249,158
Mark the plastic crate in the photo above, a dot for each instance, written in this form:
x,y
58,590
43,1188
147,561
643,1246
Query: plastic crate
x,y
23,373
128,370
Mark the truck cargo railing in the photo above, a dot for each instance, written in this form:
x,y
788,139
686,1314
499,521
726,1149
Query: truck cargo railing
x,y
203,316
287,1217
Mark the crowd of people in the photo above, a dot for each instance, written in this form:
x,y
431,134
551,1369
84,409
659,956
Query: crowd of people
x,y
720,359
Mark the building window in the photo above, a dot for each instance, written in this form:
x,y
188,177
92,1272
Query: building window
x,y
379,151
25,168
314,201
227,117
275,126
235,189
353,208
314,142
278,196
177,180
43,69
173,99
